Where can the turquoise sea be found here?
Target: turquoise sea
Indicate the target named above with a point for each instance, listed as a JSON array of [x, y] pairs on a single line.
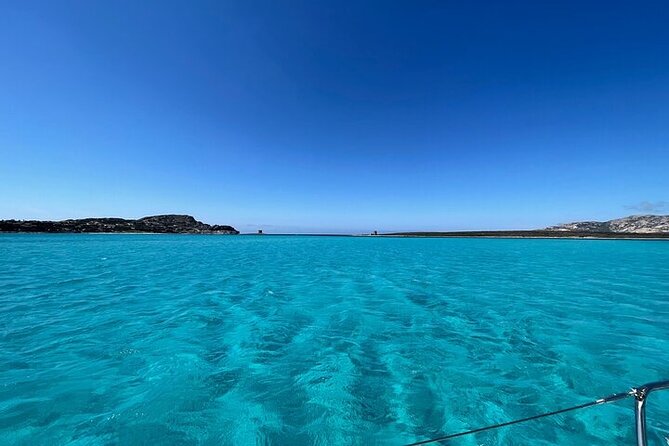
[[297, 340]]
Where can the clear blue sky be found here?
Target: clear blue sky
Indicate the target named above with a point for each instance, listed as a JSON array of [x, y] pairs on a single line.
[[335, 116]]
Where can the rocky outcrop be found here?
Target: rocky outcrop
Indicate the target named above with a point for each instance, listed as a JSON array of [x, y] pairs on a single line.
[[581, 226], [635, 224], [163, 224]]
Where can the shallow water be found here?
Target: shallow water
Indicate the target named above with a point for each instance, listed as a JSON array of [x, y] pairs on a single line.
[[245, 340]]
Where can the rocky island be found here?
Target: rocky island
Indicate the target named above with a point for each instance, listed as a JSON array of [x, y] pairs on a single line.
[[159, 224]]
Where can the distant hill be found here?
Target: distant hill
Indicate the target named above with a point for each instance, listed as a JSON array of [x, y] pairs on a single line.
[[164, 224], [637, 224]]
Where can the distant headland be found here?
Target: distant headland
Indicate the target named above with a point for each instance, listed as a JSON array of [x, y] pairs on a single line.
[[158, 224], [634, 226]]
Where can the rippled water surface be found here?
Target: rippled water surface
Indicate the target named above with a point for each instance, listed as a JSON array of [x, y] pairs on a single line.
[[246, 340]]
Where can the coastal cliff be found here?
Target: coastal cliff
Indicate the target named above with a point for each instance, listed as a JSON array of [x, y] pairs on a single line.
[[159, 224], [635, 224]]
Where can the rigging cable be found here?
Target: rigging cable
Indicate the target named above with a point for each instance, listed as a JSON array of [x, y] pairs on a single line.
[[605, 400]]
